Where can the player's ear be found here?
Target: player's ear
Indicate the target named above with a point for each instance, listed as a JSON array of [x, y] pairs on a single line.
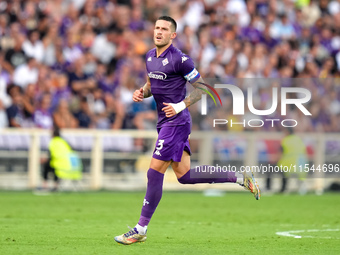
[[173, 35]]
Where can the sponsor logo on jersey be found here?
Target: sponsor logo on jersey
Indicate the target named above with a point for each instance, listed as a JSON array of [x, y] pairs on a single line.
[[157, 75], [149, 59], [184, 58], [193, 74], [165, 62]]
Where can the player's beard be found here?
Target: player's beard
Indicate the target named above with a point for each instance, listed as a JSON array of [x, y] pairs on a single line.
[[161, 43]]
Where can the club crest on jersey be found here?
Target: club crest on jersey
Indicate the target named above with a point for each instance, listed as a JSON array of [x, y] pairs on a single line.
[[184, 58], [157, 75], [165, 62], [149, 59]]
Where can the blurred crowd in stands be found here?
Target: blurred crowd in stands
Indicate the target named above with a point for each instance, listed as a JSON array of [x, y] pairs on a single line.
[[76, 63]]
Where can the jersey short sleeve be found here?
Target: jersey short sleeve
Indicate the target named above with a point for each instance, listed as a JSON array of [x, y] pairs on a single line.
[[186, 67]]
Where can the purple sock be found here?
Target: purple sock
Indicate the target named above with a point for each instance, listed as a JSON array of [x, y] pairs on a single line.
[[152, 197], [192, 177]]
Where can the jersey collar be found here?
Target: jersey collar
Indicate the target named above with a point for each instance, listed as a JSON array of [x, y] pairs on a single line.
[[165, 52]]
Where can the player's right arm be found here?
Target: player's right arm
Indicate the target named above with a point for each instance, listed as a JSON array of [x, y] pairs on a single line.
[[143, 92]]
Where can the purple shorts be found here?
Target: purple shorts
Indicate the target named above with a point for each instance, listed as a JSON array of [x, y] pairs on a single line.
[[171, 142]]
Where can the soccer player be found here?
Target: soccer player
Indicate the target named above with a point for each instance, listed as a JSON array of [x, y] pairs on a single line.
[[168, 72]]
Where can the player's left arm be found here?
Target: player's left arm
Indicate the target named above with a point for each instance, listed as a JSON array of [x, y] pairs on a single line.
[[185, 66], [196, 94], [171, 109]]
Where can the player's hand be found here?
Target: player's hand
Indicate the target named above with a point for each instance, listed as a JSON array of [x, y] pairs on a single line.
[[138, 95], [169, 110]]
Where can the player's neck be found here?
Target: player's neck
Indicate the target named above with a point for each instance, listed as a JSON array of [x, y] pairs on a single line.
[[160, 50]]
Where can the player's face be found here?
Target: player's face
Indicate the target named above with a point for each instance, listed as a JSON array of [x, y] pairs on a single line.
[[163, 34]]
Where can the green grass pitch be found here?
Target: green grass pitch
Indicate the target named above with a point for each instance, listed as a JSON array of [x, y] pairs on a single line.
[[184, 223]]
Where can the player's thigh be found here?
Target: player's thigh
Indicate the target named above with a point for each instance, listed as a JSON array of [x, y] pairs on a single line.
[[159, 165], [181, 168], [171, 142]]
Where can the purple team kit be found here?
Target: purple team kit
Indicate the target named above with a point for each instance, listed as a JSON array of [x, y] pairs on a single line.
[[169, 74]]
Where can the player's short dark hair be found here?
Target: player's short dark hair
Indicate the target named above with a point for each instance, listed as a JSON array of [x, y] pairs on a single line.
[[171, 20]]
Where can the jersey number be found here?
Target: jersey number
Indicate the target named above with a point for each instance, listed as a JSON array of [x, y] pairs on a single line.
[[160, 145]]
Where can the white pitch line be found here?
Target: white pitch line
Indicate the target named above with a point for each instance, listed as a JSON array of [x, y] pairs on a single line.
[[293, 233]]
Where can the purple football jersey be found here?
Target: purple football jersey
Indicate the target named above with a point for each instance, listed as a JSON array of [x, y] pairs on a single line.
[[169, 74]]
